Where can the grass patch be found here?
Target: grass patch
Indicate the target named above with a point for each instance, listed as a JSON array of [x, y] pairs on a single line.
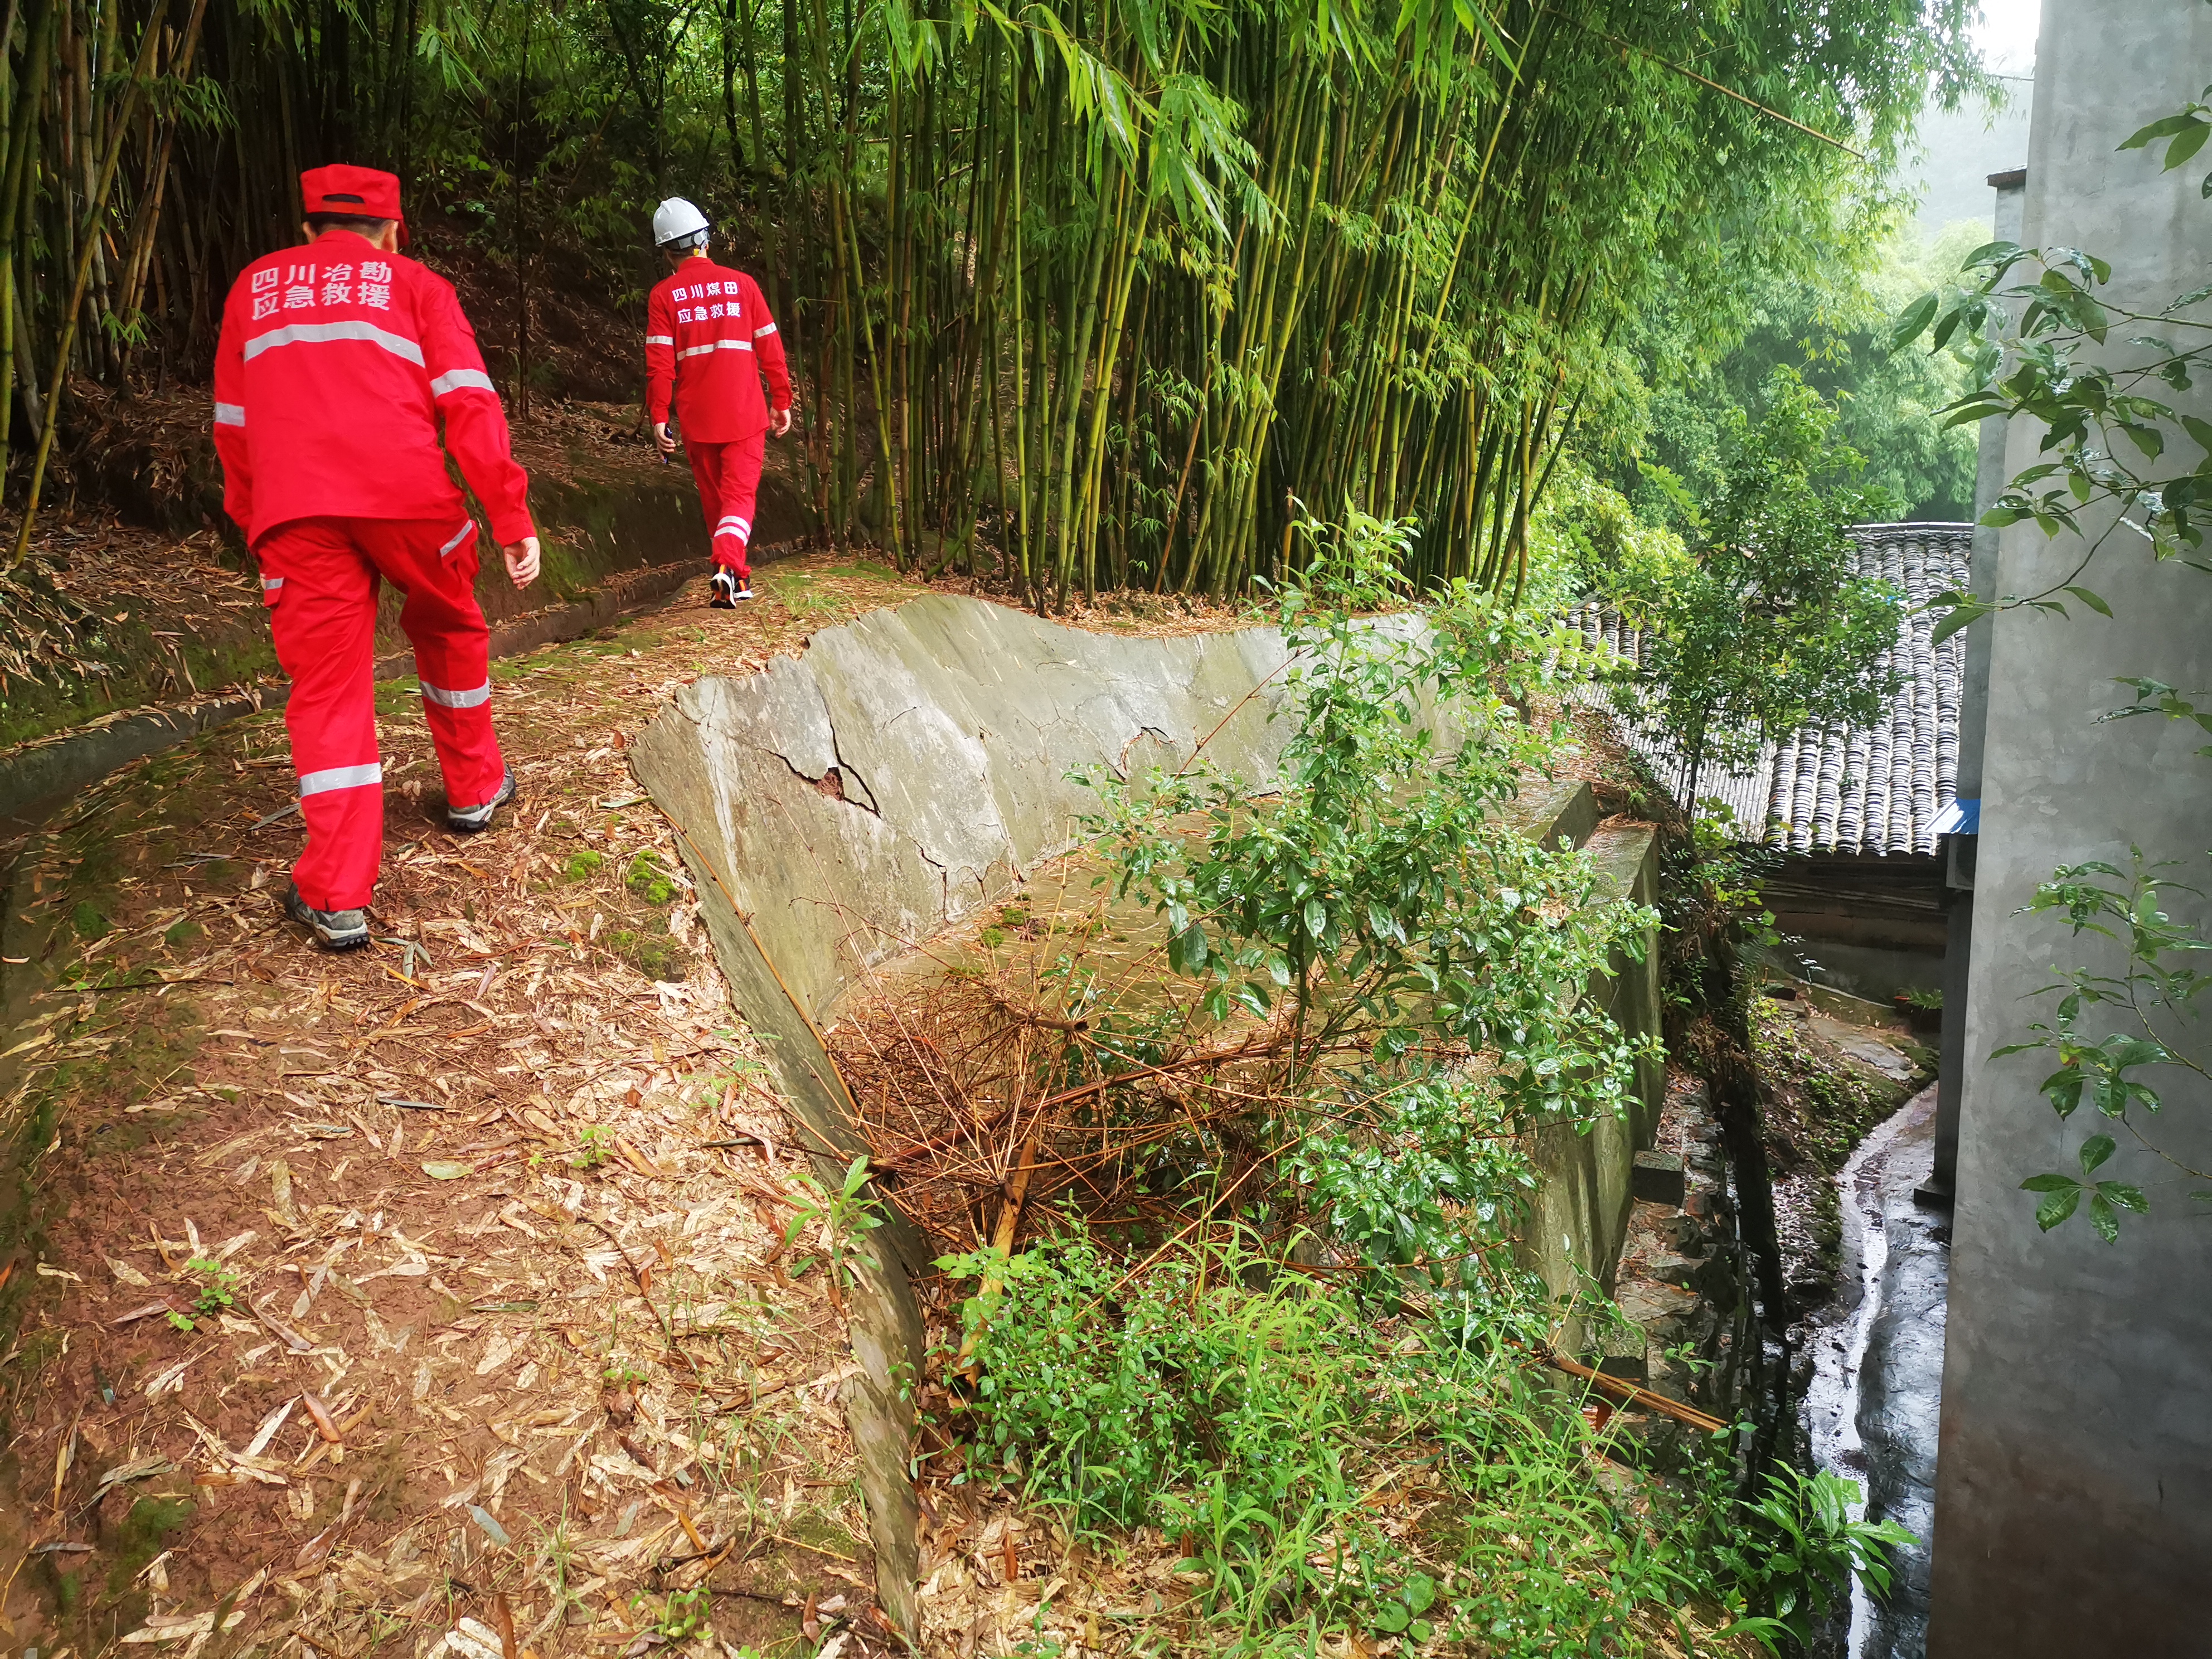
[[1323, 1467]]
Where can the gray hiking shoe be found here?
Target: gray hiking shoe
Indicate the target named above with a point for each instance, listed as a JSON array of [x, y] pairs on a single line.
[[468, 820], [334, 930]]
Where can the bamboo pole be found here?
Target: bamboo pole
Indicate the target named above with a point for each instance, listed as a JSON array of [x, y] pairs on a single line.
[[89, 243]]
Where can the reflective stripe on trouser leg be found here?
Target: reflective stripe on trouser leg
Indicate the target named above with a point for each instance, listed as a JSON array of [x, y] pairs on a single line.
[[732, 535], [325, 632], [453, 655], [737, 486]]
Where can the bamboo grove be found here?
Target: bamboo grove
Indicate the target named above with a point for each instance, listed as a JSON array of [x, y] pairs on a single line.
[[1084, 295]]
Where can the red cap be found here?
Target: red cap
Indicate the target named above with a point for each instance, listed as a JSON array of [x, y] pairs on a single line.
[[358, 193]]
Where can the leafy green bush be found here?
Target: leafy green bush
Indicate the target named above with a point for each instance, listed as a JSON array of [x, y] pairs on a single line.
[[1796, 1549]]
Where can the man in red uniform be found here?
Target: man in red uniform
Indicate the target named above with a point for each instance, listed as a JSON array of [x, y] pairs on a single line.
[[708, 338], [337, 363]]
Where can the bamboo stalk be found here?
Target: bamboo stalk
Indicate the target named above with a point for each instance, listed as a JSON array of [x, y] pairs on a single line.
[[89, 244]]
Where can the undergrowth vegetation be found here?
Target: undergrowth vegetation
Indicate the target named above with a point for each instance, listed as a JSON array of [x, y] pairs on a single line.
[[1278, 1317], [1320, 1467]]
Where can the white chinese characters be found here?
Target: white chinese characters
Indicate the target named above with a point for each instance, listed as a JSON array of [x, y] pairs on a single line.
[[308, 287]]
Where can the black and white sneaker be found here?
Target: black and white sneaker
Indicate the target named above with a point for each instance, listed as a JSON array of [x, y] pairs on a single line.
[[727, 589], [334, 930], [468, 820]]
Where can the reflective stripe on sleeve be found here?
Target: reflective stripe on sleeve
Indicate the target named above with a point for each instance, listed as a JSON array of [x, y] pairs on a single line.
[[660, 339], [322, 333], [468, 528], [339, 777], [446, 699], [765, 328], [230, 414], [270, 583], [454, 379], [716, 345]]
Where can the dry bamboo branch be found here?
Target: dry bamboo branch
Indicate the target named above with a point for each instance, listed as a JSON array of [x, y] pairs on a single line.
[[1633, 1393]]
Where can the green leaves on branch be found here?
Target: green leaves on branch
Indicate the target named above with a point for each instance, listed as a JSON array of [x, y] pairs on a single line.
[[2099, 1072], [1760, 620], [2184, 131], [2157, 698], [2107, 438], [2108, 429], [2160, 981], [2062, 1194]]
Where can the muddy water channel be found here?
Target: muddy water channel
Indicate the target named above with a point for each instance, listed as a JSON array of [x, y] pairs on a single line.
[[1878, 1365]]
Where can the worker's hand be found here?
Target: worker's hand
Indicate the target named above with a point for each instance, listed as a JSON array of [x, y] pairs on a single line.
[[521, 561], [781, 423], [660, 435]]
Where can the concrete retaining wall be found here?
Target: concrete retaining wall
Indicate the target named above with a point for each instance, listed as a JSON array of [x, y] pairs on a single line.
[[837, 808]]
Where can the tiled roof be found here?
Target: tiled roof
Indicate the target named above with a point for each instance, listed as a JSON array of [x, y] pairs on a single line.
[[1837, 789]]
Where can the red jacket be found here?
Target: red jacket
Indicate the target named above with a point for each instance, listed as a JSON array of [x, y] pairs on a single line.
[[335, 364], [707, 338]]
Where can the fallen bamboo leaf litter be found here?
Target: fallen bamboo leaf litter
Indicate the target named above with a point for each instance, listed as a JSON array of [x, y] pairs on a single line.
[[577, 1041]]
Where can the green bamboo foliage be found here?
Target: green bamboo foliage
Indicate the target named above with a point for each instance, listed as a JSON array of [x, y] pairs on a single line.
[[1188, 275], [1080, 293]]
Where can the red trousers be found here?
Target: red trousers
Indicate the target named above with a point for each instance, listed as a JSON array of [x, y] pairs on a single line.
[[319, 577], [729, 483]]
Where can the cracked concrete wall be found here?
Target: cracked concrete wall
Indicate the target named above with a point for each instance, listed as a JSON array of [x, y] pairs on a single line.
[[936, 742], [840, 807]]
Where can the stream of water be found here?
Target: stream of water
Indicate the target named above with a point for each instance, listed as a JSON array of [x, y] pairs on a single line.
[[1878, 1364]]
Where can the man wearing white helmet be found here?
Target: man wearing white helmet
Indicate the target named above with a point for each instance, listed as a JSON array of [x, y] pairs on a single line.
[[709, 339]]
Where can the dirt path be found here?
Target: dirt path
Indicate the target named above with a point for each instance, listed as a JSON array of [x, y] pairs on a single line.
[[354, 1299]]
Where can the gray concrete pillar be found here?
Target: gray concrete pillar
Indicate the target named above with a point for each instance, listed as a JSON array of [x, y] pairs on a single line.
[[1960, 845], [2074, 1486]]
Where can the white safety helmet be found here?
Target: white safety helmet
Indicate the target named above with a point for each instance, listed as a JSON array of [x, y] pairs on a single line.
[[676, 223]]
